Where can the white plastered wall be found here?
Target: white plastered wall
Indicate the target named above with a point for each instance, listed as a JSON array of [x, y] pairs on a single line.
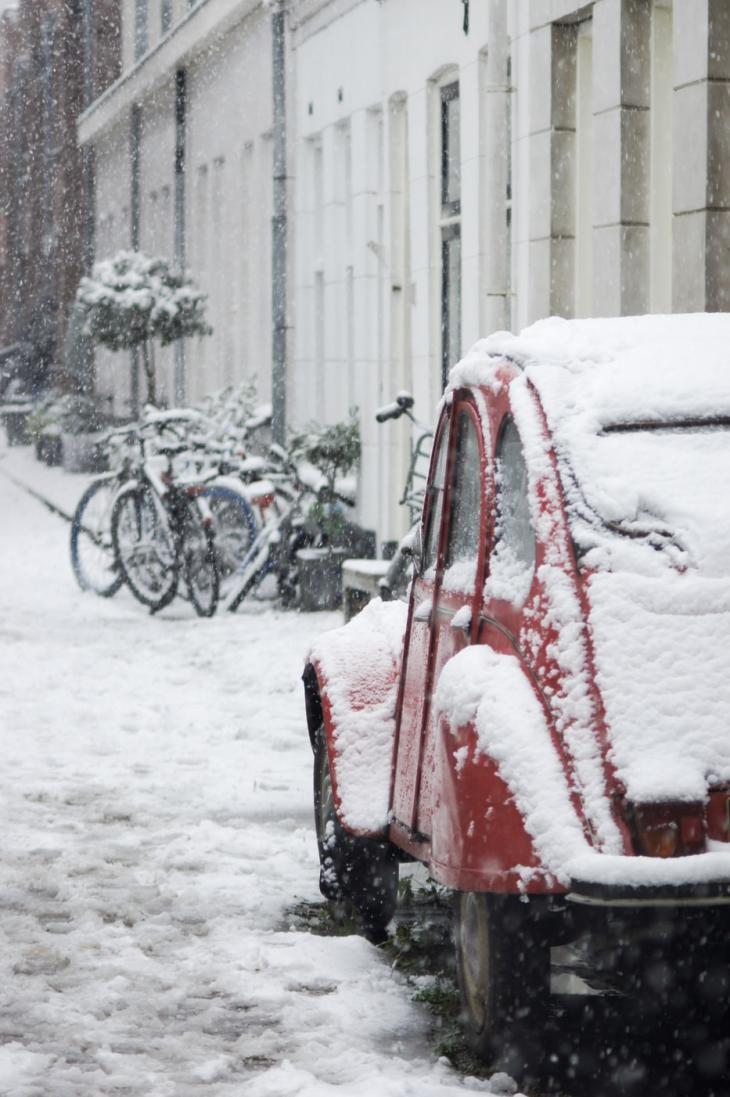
[[367, 76]]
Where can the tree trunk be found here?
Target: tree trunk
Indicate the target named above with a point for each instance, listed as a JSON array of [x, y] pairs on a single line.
[[149, 369]]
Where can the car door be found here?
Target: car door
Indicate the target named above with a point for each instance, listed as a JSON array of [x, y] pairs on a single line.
[[414, 678], [458, 590], [444, 606]]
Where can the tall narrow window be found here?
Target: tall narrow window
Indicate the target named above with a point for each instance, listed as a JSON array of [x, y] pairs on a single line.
[[450, 226], [400, 314], [140, 28], [165, 15]]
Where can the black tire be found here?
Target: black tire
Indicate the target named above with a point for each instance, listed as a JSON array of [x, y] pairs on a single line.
[[92, 550], [503, 966], [199, 563], [147, 550], [361, 873], [287, 565]]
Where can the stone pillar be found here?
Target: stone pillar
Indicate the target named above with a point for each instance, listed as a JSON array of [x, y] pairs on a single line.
[[495, 159], [621, 165], [551, 171], [701, 142]]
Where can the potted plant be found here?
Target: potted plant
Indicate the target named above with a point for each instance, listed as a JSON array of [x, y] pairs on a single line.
[[15, 411], [44, 426], [131, 300], [334, 451], [82, 433]]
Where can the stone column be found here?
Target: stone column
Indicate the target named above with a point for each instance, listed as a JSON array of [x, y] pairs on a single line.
[[621, 143], [494, 160], [701, 142], [551, 171]]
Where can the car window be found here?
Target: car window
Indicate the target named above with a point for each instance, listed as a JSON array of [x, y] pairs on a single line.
[[512, 561], [462, 548], [436, 492]]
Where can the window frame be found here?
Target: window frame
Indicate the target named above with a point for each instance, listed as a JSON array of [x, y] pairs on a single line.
[[508, 420], [449, 227], [466, 412]]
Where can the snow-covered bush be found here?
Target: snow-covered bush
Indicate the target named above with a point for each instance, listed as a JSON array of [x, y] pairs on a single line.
[[334, 450], [131, 299]]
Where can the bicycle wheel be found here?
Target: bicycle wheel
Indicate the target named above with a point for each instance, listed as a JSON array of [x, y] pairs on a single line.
[[145, 546], [235, 529], [199, 562], [92, 552]]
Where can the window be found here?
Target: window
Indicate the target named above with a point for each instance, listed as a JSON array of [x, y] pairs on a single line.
[[165, 16], [462, 549], [450, 228], [513, 557], [140, 28], [435, 508]]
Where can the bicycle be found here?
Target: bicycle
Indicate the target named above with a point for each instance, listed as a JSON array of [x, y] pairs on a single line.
[[286, 504], [161, 530], [394, 584], [93, 559]]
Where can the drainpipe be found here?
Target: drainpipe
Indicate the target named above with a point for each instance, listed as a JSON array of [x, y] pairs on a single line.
[[135, 138], [279, 228], [181, 101], [88, 185], [87, 156]]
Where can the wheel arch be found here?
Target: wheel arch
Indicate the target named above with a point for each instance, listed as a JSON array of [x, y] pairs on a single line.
[[312, 701]]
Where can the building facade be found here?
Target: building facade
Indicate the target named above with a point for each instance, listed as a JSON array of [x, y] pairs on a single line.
[[49, 59], [184, 169], [453, 168]]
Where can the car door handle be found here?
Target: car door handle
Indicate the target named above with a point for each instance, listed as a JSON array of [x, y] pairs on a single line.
[[423, 611], [461, 620]]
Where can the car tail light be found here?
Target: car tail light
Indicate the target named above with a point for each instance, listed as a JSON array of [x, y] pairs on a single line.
[[669, 830], [718, 815]]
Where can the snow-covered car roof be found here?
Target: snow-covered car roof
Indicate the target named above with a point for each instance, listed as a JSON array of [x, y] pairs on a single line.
[[597, 377], [637, 367]]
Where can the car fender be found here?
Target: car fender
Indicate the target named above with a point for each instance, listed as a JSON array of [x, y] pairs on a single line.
[[506, 819], [351, 686]]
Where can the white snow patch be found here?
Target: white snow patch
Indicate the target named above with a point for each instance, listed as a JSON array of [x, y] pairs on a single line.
[[360, 663], [490, 690]]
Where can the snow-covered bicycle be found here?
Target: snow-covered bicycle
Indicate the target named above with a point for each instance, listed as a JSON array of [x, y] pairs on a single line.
[[162, 529]]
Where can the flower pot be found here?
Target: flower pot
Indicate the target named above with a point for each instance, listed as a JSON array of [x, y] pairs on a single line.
[[49, 449], [320, 578], [15, 421], [83, 452]]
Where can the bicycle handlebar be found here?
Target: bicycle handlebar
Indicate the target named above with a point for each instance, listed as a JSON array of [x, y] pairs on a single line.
[[401, 406]]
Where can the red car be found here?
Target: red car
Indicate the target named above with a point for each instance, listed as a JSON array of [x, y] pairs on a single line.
[[546, 724]]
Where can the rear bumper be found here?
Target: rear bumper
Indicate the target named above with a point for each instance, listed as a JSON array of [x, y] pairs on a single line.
[[714, 893]]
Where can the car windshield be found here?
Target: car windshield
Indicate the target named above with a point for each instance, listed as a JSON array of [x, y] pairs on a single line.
[[643, 496]]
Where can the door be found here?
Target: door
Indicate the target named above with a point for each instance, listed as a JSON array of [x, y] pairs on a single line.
[[445, 607], [414, 679]]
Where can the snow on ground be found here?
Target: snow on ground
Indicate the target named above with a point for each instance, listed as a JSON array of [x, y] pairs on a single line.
[[156, 822]]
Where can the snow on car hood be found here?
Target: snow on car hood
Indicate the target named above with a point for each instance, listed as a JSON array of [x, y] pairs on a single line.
[[661, 655]]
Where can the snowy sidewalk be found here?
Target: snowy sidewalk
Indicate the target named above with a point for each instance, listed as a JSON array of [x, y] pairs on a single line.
[[155, 796]]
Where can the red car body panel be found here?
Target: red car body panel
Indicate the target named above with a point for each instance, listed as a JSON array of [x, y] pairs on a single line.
[[459, 816]]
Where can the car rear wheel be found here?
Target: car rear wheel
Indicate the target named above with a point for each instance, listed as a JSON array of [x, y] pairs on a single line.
[[361, 873], [502, 959]]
